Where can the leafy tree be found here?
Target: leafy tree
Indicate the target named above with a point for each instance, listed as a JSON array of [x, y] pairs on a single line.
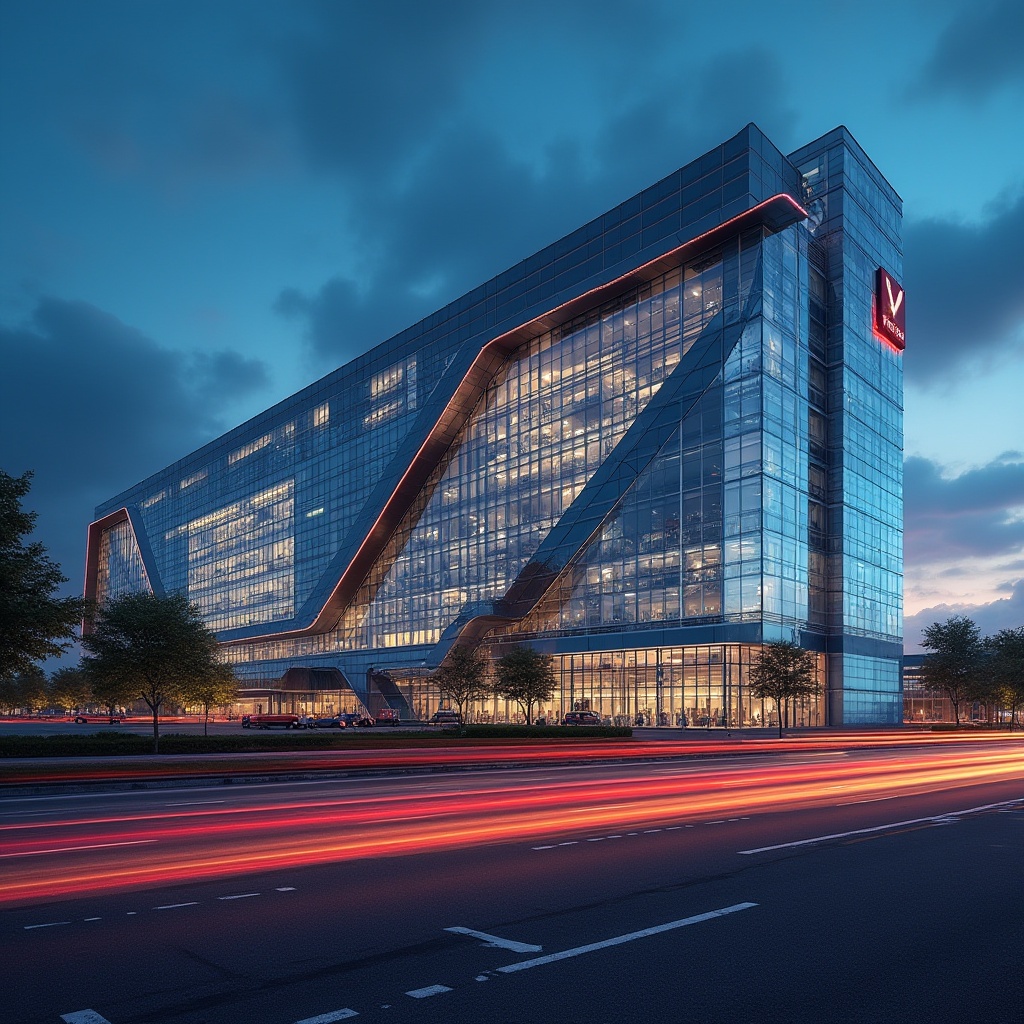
[[34, 624], [23, 691], [151, 648], [217, 686], [461, 678], [526, 677], [782, 672], [1006, 667], [954, 668], [31, 689], [69, 689]]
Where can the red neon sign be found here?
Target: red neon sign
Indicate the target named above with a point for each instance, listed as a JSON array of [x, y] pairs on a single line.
[[890, 310]]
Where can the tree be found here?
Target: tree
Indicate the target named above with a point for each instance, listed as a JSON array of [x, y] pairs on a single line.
[[461, 678], [1006, 665], [34, 624], [218, 686], [69, 689], [151, 648], [526, 677], [783, 672], [953, 669], [23, 691]]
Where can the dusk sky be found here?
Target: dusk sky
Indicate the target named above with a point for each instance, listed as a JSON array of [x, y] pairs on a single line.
[[205, 206]]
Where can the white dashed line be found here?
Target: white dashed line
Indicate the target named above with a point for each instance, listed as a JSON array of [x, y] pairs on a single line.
[[92, 918], [285, 888], [240, 896], [174, 906], [426, 993], [494, 942], [327, 1018], [49, 924]]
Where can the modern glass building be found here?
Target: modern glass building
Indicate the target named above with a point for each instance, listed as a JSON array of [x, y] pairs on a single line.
[[665, 439]]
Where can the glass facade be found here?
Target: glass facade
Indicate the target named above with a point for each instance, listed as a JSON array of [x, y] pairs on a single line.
[[658, 443]]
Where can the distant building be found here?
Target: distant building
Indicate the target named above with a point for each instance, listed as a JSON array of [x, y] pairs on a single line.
[[670, 436]]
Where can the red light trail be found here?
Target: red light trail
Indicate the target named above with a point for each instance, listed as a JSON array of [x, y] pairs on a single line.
[[70, 856]]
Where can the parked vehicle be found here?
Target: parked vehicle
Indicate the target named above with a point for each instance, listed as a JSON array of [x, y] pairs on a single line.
[[445, 716], [270, 721], [581, 718], [386, 716], [351, 718], [114, 719], [328, 722]]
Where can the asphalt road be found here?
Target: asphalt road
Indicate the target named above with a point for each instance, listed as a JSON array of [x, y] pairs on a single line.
[[867, 886]]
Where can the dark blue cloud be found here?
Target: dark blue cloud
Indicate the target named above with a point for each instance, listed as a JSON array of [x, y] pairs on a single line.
[[91, 405], [471, 205], [965, 293], [968, 516], [979, 52]]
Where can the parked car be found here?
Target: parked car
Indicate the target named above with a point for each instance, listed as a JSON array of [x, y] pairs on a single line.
[[86, 719], [445, 716], [351, 718], [386, 716], [270, 722], [581, 718], [328, 722]]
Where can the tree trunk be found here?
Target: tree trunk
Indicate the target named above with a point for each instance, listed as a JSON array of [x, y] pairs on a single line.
[[155, 708]]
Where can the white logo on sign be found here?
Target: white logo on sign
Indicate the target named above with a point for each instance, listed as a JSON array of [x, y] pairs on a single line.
[[894, 304]]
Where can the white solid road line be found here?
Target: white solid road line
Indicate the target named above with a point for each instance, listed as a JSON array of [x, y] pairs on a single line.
[[84, 1017], [934, 819], [618, 940], [494, 942], [327, 1018]]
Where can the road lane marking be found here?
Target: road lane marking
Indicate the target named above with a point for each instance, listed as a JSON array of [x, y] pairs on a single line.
[[174, 906], [83, 1017], [946, 818], [240, 896], [327, 1018], [618, 940], [426, 993], [495, 942], [74, 849], [92, 918], [195, 803], [49, 924], [285, 888]]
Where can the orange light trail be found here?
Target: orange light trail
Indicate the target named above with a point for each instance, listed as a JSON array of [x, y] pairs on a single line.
[[74, 856]]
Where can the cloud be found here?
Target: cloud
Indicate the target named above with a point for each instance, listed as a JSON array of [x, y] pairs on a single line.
[[965, 292], [1003, 613], [979, 514], [978, 53], [467, 203], [91, 405]]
